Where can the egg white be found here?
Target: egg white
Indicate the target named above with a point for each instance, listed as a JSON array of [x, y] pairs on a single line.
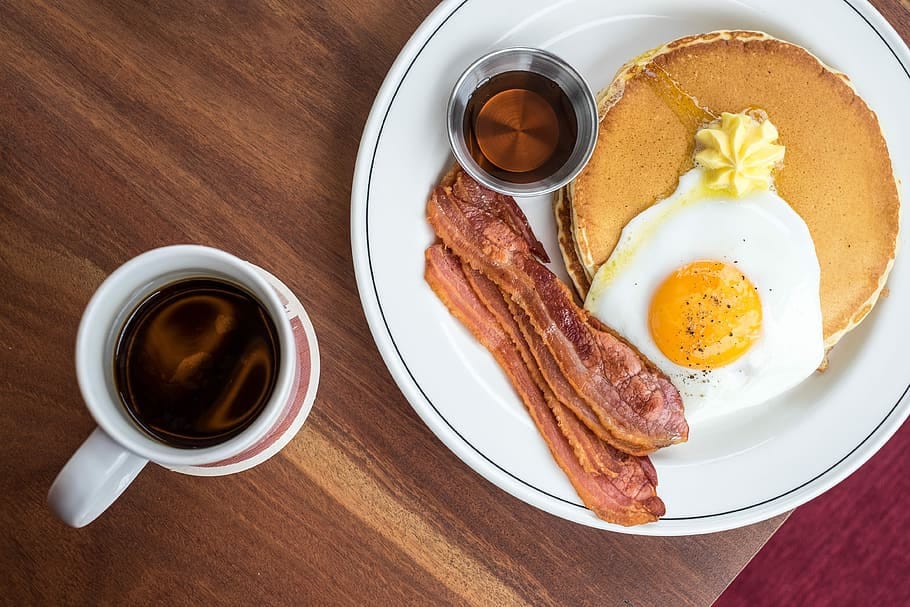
[[758, 233]]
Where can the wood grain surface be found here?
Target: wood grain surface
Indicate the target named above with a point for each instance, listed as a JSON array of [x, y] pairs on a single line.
[[125, 126]]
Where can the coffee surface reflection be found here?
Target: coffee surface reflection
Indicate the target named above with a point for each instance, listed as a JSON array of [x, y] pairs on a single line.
[[196, 362]]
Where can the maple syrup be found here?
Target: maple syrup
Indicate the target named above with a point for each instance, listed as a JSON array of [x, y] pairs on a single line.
[[520, 126], [686, 107]]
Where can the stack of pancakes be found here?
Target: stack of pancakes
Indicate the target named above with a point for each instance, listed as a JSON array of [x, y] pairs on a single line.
[[836, 174]]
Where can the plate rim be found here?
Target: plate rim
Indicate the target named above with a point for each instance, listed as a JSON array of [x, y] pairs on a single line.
[[449, 435]]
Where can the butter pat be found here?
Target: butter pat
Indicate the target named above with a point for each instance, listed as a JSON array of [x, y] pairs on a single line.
[[738, 154]]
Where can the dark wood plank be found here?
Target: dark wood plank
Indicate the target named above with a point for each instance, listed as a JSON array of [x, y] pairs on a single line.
[[125, 126]]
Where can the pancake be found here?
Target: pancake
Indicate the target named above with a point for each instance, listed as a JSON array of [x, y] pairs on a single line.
[[836, 174]]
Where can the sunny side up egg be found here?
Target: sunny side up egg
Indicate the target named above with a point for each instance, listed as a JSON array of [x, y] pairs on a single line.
[[721, 293]]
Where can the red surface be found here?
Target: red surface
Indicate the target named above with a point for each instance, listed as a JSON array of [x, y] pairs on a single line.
[[851, 546]]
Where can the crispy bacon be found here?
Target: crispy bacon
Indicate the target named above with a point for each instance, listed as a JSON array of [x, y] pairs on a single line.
[[560, 387], [637, 405], [590, 451], [595, 456], [625, 492], [502, 207]]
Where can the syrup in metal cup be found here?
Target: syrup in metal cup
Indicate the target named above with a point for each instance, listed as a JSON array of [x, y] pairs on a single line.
[[522, 121]]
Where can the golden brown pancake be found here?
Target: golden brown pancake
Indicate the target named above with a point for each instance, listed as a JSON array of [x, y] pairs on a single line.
[[837, 173]]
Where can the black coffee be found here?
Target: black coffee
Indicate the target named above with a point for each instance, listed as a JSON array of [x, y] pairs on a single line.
[[196, 362]]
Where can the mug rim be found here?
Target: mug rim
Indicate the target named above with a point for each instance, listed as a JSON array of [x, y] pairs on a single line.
[[96, 327]]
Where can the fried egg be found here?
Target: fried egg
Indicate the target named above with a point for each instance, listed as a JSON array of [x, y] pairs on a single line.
[[721, 293]]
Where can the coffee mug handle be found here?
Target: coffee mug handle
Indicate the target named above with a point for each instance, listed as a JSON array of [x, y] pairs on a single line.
[[92, 479]]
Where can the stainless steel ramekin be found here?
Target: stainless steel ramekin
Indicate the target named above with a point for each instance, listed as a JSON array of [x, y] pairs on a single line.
[[545, 64]]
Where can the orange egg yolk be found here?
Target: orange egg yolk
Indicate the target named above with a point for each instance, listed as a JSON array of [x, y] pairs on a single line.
[[705, 315]]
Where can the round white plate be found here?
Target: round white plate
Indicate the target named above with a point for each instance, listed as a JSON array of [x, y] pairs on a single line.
[[734, 471]]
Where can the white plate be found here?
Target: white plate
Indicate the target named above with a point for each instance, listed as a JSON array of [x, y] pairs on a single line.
[[731, 473]]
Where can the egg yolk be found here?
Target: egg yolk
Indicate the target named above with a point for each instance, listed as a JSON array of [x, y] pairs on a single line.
[[705, 315]]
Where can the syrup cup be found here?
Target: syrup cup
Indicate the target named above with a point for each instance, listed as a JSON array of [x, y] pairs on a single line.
[[542, 63]]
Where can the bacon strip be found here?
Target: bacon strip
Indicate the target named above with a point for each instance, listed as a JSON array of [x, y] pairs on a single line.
[[634, 402], [560, 387], [629, 497], [591, 452], [502, 207], [637, 474]]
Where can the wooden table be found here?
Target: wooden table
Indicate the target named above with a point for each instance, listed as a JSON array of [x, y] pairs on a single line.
[[125, 127]]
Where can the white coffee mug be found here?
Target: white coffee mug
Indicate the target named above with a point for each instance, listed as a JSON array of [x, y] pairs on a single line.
[[118, 449]]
